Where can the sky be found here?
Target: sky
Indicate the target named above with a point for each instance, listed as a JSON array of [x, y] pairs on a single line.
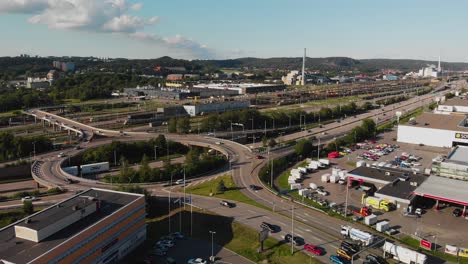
[[220, 29]]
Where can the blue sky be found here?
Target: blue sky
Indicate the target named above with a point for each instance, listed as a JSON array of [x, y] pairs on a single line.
[[229, 29]]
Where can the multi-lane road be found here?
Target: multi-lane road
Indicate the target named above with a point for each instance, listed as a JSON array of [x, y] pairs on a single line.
[[315, 227]]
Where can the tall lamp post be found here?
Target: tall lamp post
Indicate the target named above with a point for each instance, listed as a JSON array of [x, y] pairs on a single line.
[[212, 245]]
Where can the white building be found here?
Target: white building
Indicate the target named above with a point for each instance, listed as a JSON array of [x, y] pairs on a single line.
[[435, 130], [216, 107], [429, 72], [292, 78], [452, 106]]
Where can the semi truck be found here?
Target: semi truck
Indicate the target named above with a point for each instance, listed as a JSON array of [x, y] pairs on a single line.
[[357, 235], [380, 204], [403, 254], [94, 168]]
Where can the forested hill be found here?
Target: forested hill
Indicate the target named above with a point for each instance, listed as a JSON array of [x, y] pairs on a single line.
[[10, 67]]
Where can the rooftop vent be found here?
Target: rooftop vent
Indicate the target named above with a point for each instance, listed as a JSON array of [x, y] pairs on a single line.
[[27, 220], [76, 208]]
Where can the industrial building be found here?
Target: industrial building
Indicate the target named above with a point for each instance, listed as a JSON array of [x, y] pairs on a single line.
[[455, 166], [95, 226], [435, 130], [241, 88], [396, 185], [452, 106], [160, 92], [215, 107]]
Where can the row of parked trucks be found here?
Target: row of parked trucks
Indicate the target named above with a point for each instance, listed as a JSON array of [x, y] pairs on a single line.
[[398, 253]]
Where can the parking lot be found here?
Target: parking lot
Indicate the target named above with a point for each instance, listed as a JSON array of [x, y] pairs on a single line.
[[187, 249], [432, 224]]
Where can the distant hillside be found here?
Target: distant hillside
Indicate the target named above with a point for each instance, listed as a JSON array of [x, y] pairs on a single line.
[[331, 63]]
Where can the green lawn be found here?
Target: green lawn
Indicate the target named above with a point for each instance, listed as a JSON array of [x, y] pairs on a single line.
[[233, 192]]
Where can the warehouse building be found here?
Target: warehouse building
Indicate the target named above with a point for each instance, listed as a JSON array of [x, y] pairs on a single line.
[[242, 88], [215, 107], [435, 130], [95, 226], [151, 92], [453, 106], [396, 185]]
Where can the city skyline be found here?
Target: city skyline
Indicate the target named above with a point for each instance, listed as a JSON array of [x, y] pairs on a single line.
[[188, 30]]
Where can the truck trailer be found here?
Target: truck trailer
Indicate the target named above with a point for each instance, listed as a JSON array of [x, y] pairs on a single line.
[[403, 254], [357, 235]]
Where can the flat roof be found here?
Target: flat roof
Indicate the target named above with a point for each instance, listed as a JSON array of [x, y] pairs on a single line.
[[459, 154], [439, 121], [18, 250], [390, 177], [444, 189], [456, 102]]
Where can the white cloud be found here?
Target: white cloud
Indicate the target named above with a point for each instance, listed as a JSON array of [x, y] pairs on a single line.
[[22, 6], [136, 7], [102, 16]]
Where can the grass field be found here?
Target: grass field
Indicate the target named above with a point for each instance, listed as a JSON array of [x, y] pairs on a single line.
[[232, 193]]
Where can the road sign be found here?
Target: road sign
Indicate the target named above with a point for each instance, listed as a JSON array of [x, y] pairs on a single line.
[[263, 235], [425, 244]]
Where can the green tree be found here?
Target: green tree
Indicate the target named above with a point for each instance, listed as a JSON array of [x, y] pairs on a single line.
[[221, 187], [303, 147], [28, 207], [126, 173], [272, 143], [172, 126], [183, 125], [144, 172]]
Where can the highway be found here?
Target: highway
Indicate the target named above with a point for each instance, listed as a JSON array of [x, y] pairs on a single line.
[[312, 225]]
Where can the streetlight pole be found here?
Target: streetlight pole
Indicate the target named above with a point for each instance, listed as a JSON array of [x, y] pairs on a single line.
[[191, 215], [155, 154], [212, 245], [170, 204], [318, 148], [34, 149], [292, 229], [253, 132]]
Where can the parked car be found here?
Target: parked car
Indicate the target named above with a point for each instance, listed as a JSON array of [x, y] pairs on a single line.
[[345, 254], [322, 192], [167, 243], [375, 259], [457, 212], [197, 261], [158, 252], [178, 235], [260, 157], [227, 204], [28, 198], [350, 247], [314, 249], [180, 181]]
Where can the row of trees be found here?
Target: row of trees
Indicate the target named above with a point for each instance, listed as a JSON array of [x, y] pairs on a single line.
[[253, 119], [196, 163], [12, 147], [133, 151], [12, 99]]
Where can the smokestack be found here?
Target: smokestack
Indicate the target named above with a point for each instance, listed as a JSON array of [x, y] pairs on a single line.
[[303, 67], [438, 66]]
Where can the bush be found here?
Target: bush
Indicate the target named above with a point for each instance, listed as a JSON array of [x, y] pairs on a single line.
[[28, 207]]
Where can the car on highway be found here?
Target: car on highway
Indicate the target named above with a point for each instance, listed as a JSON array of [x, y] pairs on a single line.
[[349, 247], [373, 259], [297, 241], [457, 212], [180, 181], [197, 261], [60, 155], [267, 226], [254, 187], [260, 157], [227, 204], [314, 249], [345, 254], [28, 198], [77, 147], [338, 260]]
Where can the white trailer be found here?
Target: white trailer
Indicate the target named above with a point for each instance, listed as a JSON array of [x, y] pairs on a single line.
[[296, 186], [313, 166], [313, 186], [303, 170], [357, 235], [382, 226], [94, 168], [305, 191], [326, 177], [324, 162], [360, 163], [334, 178], [370, 219], [403, 254]]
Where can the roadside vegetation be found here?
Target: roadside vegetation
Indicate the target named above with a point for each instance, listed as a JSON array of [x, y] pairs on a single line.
[[224, 188], [12, 147]]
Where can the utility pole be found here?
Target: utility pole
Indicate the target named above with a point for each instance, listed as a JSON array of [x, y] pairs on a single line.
[[191, 215], [155, 154], [170, 204], [115, 158], [292, 228], [180, 214], [212, 245], [185, 184]]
